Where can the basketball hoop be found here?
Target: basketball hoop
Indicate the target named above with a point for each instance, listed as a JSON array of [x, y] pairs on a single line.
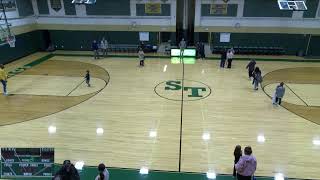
[[11, 41]]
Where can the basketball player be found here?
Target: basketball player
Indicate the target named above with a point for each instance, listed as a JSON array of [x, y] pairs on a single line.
[[3, 79], [87, 77], [141, 57]]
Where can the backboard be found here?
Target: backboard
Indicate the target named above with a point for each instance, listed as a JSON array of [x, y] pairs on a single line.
[[292, 5]]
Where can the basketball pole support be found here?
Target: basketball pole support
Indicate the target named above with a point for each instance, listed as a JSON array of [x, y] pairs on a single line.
[[308, 45], [5, 17]]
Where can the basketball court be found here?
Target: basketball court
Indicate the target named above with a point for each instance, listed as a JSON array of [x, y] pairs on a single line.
[[175, 114], [144, 122]]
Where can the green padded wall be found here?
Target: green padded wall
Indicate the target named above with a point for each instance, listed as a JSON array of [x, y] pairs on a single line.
[[24, 7], [26, 44], [264, 8], [314, 46], [43, 7], [201, 37], [73, 40], [69, 8], [312, 9], [231, 12], [292, 43], [110, 7], [165, 10]]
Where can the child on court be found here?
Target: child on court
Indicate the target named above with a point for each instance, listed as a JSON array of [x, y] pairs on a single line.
[[278, 95], [257, 78], [87, 78], [141, 57], [251, 66], [3, 79]]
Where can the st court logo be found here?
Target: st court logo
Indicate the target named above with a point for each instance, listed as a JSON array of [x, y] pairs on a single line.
[[190, 89]]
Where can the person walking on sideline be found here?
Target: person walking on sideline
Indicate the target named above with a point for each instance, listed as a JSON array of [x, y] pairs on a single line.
[[104, 47], [257, 78], [280, 91], [247, 165], [230, 55], [103, 173], [141, 57], [223, 58], [95, 49], [237, 154], [3, 79], [87, 77], [182, 46], [202, 51], [251, 66]]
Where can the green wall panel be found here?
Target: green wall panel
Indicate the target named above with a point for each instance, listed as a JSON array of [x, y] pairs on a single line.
[[165, 10], [314, 46], [201, 37], [231, 12], [264, 8], [110, 7], [312, 9], [69, 8], [81, 40], [43, 7], [26, 44], [24, 7], [292, 43]]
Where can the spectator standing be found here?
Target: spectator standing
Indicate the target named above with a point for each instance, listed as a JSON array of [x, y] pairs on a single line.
[[257, 78], [67, 172], [280, 91], [230, 55], [247, 165], [104, 47], [237, 154], [223, 58], [142, 45], [251, 66], [3, 79], [182, 46], [198, 49], [95, 49], [202, 51], [103, 172]]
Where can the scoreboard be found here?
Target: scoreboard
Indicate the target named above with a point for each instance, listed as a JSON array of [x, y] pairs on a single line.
[[27, 162], [186, 52]]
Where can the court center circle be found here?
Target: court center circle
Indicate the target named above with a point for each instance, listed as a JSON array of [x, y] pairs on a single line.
[[175, 89]]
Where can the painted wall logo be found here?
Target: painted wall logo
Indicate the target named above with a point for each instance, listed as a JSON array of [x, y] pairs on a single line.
[[192, 90]]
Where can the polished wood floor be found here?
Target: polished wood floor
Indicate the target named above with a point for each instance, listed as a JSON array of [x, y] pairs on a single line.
[[128, 109]]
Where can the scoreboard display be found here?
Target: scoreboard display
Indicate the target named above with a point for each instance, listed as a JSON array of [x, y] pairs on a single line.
[[27, 162], [186, 52]]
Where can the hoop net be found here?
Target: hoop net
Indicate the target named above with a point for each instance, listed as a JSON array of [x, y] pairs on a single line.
[[11, 40]]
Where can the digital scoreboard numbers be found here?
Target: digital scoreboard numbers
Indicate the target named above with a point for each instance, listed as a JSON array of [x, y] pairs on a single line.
[[27, 162]]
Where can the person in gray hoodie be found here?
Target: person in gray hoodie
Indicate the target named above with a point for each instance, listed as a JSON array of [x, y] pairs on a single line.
[[247, 165], [182, 46], [280, 91]]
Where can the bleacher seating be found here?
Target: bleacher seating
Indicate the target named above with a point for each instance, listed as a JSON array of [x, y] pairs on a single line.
[[130, 48], [258, 50]]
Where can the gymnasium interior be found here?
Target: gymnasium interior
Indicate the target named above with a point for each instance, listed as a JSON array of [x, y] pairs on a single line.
[[178, 117]]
